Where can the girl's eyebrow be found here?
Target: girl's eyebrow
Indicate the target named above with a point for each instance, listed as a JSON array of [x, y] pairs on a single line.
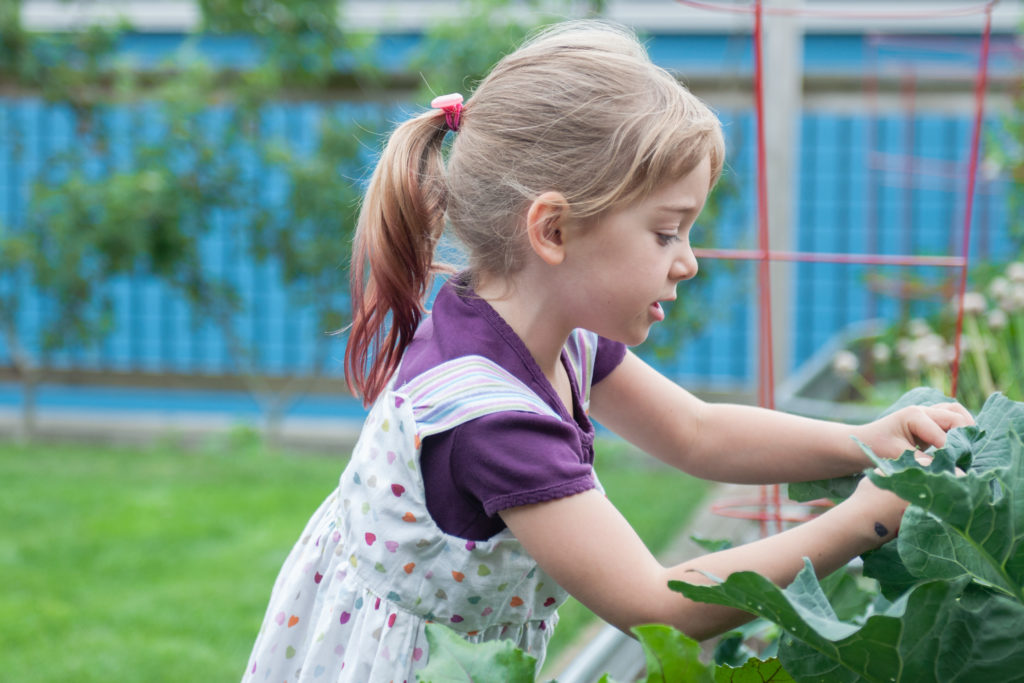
[[676, 208]]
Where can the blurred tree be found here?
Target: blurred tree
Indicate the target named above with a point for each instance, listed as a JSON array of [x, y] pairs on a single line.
[[89, 220], [62, 260]]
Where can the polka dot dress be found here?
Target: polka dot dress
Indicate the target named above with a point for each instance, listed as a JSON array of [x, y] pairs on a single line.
[[371, 569]]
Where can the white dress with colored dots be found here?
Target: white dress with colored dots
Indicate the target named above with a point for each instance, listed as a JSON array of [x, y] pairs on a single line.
[[372, 568]]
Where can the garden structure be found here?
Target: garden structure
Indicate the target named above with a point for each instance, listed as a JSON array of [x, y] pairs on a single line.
[[159, 334], [963, 176]]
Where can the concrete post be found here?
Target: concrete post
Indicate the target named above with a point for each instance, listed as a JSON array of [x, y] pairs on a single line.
[[783, 90]]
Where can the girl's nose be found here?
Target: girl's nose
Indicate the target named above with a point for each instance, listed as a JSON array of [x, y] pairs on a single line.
[[685, 265]]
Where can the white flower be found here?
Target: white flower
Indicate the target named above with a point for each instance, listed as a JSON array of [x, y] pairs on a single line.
[[974, 303], [997, 319], [1015, 271], [918, 327], [881, 352], [951, 354], [912, 363], [845, 363], [904, 346], [1015, 301], [934, 355], [999, 288]]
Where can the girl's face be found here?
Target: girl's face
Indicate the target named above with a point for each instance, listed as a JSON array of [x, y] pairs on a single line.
[[632, 258]]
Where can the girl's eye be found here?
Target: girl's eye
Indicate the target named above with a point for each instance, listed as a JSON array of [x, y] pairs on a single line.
[[665, 238]]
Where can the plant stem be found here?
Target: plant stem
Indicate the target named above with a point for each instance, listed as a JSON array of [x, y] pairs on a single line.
[[978, 344]]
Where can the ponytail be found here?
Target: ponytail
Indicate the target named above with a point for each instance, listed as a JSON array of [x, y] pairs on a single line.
[[400, 222]]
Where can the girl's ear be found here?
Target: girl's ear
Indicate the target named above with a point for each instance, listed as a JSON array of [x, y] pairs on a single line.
[[546, 221]]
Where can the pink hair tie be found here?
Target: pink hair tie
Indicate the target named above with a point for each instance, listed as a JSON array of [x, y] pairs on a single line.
[[452, 106]]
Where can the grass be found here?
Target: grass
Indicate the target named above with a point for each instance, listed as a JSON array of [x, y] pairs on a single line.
[[156, 564]]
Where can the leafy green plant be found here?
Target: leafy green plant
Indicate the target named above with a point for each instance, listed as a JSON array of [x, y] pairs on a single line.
[[918, 351], [669, 655], [954, 576]]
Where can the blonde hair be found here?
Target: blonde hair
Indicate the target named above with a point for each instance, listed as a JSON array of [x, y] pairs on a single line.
[[578, 109]]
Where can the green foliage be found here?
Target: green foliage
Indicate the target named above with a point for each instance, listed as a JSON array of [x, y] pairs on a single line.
[[841, 488], [91, 218], [671, 657], [955, 574], [912, 640], [753, 671], [969, 526], [455, 660], [457, 53]]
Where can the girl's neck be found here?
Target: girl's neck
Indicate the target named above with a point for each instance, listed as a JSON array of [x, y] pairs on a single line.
[[533, 316]]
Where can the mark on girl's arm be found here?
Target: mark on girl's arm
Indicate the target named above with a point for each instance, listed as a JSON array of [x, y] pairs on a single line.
[[881, 530]]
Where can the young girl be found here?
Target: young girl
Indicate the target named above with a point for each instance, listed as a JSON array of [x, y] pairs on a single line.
[[576, 172]]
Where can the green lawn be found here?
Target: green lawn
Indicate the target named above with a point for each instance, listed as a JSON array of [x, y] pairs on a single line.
[[156, 564]]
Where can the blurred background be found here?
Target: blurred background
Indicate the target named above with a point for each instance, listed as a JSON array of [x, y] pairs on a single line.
[[178, 188], [179, 180]]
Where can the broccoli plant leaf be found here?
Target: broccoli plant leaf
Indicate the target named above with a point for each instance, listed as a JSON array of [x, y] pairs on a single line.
[[848, 599], [840, 488], [837, 488], [671, 656], [846, 650], [989, 442], [885, 566], [456, 660], [974, 524], [939, 631], [754, 671], [943, 631]]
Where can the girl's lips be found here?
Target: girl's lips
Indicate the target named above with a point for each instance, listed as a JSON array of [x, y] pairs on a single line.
[[657, 312]]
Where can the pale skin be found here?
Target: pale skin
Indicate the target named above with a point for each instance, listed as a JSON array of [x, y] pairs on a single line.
[[607, 275]]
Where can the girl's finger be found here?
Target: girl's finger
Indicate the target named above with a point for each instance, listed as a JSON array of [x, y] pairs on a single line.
[[926, 429], [950, 415]]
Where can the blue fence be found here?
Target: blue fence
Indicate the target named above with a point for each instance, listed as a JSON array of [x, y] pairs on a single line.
[[856, 193]]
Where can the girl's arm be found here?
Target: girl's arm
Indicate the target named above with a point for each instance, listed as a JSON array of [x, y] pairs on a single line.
[[586, 545], [749, 445]]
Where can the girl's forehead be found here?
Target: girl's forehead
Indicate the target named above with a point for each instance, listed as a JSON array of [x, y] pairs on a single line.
[[684, 193]]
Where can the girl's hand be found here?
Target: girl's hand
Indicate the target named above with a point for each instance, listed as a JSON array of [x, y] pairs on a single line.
[[915, 428]]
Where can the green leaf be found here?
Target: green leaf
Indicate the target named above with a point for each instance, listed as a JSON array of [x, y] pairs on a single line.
[[758, 639], [885, 566], [940, 631], [847, 597], [841, 488], [754, 671], [974, 524], [837, 488], [989, 443], [712, 545], [456, 660], [671, 656]]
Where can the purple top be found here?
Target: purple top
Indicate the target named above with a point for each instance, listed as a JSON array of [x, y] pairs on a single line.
[[504, 459]]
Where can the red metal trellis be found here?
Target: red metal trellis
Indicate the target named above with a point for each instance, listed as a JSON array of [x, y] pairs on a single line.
[[769, 507]]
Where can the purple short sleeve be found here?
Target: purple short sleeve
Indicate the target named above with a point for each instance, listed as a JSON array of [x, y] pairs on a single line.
[[512, 459], [500, 461], [608, 357]]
